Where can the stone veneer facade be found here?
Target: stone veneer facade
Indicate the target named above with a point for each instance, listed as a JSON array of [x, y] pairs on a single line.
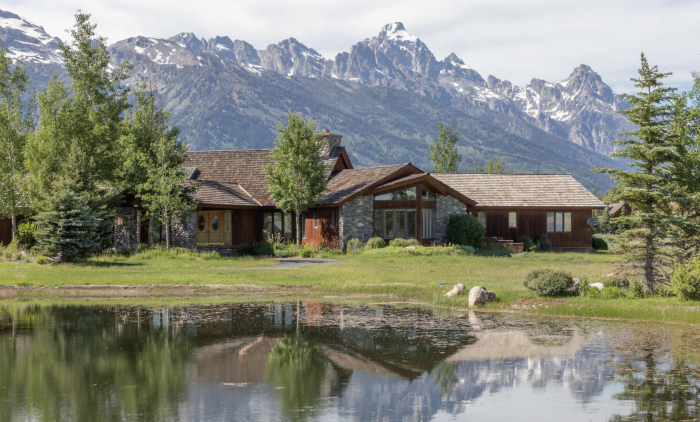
[[356, 219], [446, 206], [184, 231], [125, 234]]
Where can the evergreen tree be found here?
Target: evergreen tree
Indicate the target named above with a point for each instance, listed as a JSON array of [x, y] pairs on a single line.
[[67, 227], [16, 123], [297, 179], [496, 165], [645, 186], [155, 166], [443, 150]]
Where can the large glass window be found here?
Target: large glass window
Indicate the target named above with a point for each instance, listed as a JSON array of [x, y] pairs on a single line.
[[427, 195], [558, 222], [408, 194], [303, 225], [278, 223], [334, 218], [512, 220], [428, 223], [390, 223], [481, 215], [315, 219]]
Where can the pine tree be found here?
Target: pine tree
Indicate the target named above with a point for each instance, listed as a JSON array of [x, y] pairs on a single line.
[[16, 123], [297, 179], [68, 228], [443, 150], [646, 185]]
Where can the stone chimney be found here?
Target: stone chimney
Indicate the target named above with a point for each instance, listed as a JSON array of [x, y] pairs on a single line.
[[328, 142]]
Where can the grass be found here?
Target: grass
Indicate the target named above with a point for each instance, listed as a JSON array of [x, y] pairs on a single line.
[[418, 278]]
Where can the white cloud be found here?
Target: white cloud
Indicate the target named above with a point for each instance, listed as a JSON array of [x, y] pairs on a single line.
[[514, 40]]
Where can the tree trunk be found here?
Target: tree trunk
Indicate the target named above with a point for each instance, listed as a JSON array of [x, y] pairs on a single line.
[[298, 215], [138, 230], [167, 236], [649, 261], [150, 231], [14, 221]]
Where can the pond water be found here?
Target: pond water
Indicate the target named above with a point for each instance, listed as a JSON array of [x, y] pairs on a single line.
[[328, 362]]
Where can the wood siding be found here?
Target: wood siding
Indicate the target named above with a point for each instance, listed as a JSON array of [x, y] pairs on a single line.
[[325, 233], [5, 231], [533, 224]]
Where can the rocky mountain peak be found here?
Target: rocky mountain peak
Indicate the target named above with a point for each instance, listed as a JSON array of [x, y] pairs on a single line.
[[396, 32], [189, 41], [24, 40]]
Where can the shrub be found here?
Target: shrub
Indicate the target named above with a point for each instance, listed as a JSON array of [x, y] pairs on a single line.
[[211, 255], [468, 249], [68, 227], [685, 280], [19, 256], [599, 244], [544, 244], [465, 229], [355, 246], [403, 243], [549, 282], [306, 252], [527, 242], [25, 234], [636, 290], [263, 248], [42, 260], [375, 243]]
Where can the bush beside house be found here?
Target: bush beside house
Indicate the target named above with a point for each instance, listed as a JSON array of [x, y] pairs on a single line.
[[465, 230]]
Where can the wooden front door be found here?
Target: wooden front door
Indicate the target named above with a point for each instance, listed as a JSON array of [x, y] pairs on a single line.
[[216, 229], [210, 228]]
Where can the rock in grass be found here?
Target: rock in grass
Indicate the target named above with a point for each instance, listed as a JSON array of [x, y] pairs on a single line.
[[599, 286], [478, 295], [456, 290]]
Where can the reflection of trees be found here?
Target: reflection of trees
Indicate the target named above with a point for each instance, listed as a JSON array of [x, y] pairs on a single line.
[[80, 364], [661, 386], [445, 375], [299, 367]]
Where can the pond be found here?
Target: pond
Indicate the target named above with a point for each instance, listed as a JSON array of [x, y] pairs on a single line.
[[328, 362]]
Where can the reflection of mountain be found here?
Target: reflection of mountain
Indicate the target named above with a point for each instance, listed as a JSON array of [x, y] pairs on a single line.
[[307, 361]]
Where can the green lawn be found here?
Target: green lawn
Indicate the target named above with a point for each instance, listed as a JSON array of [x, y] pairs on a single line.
[[398, 278]]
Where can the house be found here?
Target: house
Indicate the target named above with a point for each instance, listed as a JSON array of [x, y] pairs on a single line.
[[393, 201], [515, 205], [617, 209]]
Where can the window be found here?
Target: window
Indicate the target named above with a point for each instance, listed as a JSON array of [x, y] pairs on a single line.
[[334, 218], [512, 219], [399, 195], [215, 223], [315, 219], [389, 223], [427, 195], [278, 223], [558, 222], [481, 215], [227, 222], [201, 223], [428, 223]]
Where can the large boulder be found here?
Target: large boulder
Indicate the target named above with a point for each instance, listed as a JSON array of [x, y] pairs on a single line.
[[478, 295], [456, 290]]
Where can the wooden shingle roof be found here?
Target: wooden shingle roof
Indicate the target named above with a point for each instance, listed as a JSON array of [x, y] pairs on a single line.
[[521, 190], [347, 183], [218, 193]]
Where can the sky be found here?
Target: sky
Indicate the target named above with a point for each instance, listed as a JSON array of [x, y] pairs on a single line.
[[510, 39]]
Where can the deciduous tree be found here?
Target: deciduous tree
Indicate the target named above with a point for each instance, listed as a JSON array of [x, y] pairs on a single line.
[[297, 179], [443, 150]]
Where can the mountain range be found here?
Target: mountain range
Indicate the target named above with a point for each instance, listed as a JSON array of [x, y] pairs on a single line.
[[385, 95]]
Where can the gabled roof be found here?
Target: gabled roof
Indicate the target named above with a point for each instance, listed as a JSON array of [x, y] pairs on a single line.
[[521, 190], [346, 184], [218, 193], [617, 207], [242, 167], [425, 178]]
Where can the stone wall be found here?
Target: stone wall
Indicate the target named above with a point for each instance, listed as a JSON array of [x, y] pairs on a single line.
[[125, 233], [184, 231], [356, 219], [446, 206]]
